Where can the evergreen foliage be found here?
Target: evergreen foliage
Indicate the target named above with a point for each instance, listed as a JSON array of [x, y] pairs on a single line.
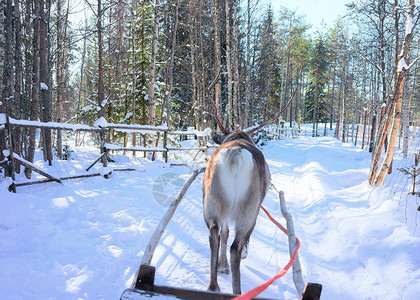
[[317, 77]]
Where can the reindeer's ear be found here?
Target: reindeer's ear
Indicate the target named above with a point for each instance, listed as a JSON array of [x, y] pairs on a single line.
[[218, 138]]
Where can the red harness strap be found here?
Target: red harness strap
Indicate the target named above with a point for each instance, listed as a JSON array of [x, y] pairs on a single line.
[[259, 289]]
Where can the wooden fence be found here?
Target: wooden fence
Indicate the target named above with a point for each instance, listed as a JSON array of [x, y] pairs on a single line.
[[7, 124]]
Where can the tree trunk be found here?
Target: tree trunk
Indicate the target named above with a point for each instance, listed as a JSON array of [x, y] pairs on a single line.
[[332, 99], [314, 120], [407, 116], [151, 93], [8, 94], [229, 68], [101, 104], [18, 81], [364, 128], [194, 94], [35, 85], [59, 74], [397, 96], [247, 67], [217, 91], [327, 102], [44, 83], [82, 68], [287, 75], [236, 103], [171, 66], [382, 16], [134, 70]]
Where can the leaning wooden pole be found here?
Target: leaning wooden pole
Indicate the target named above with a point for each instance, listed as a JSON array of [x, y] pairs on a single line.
[[297, 269], [154, 240]]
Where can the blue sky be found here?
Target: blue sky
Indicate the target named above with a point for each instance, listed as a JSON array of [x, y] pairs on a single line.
[[315, 10]]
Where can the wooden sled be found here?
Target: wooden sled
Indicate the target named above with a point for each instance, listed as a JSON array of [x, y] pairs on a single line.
[[144, 285]]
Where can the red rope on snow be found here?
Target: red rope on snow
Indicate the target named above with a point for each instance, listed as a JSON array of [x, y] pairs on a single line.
[[259, 289]]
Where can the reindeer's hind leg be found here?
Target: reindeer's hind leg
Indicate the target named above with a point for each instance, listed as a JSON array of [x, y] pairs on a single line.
[[214, 239], [223, 266], [242, 236]]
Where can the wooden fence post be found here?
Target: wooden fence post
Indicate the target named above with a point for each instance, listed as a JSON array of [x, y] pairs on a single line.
[[165, 142], [102, 135], [10, 167]]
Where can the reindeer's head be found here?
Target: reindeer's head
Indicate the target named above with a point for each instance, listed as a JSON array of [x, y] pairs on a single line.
[[231, 136]]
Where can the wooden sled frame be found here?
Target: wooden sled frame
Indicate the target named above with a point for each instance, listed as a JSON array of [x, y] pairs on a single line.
[[145, 287]]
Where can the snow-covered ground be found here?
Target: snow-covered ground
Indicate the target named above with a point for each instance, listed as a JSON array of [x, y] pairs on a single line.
[[84, 239]]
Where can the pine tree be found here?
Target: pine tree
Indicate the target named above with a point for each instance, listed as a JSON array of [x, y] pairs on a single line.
[[268, 68], [315, 95]]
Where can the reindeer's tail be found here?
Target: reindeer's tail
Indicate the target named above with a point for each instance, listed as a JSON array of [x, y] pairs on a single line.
[[239, 160]]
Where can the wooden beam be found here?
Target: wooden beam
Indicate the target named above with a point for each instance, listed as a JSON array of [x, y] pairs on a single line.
[[51, 125], [67, 178], [136, 128], [98, 159], [145, 277], [145, 282], [34, 168], [159, 292], [145, 149], [312, 291], [186, 148]]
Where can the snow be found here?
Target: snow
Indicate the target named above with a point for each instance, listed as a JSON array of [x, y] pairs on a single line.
[[87, 108], [100, 123], [409, 25], [44, 86], [402, 65], [128, 115], [66, 126], [84, 239]]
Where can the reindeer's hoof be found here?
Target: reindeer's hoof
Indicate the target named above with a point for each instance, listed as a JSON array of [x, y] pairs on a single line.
[[223, 268], [214, 287]]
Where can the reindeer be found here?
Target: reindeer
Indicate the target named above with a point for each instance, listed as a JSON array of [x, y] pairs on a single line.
[[235, 183]]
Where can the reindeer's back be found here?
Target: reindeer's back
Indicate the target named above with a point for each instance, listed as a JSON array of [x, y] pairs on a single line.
[[236, 181]]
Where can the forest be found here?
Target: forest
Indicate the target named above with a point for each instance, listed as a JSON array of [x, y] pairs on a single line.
[[110, 113], [151, 62]]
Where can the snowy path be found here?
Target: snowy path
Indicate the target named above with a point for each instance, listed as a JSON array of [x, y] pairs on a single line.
[[354, 240], [84, 239]]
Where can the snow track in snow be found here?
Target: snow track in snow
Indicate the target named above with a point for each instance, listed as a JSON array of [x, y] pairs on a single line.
[[84, 239]]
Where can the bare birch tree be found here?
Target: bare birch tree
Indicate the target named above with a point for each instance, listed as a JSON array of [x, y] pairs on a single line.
[[402, 68]]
